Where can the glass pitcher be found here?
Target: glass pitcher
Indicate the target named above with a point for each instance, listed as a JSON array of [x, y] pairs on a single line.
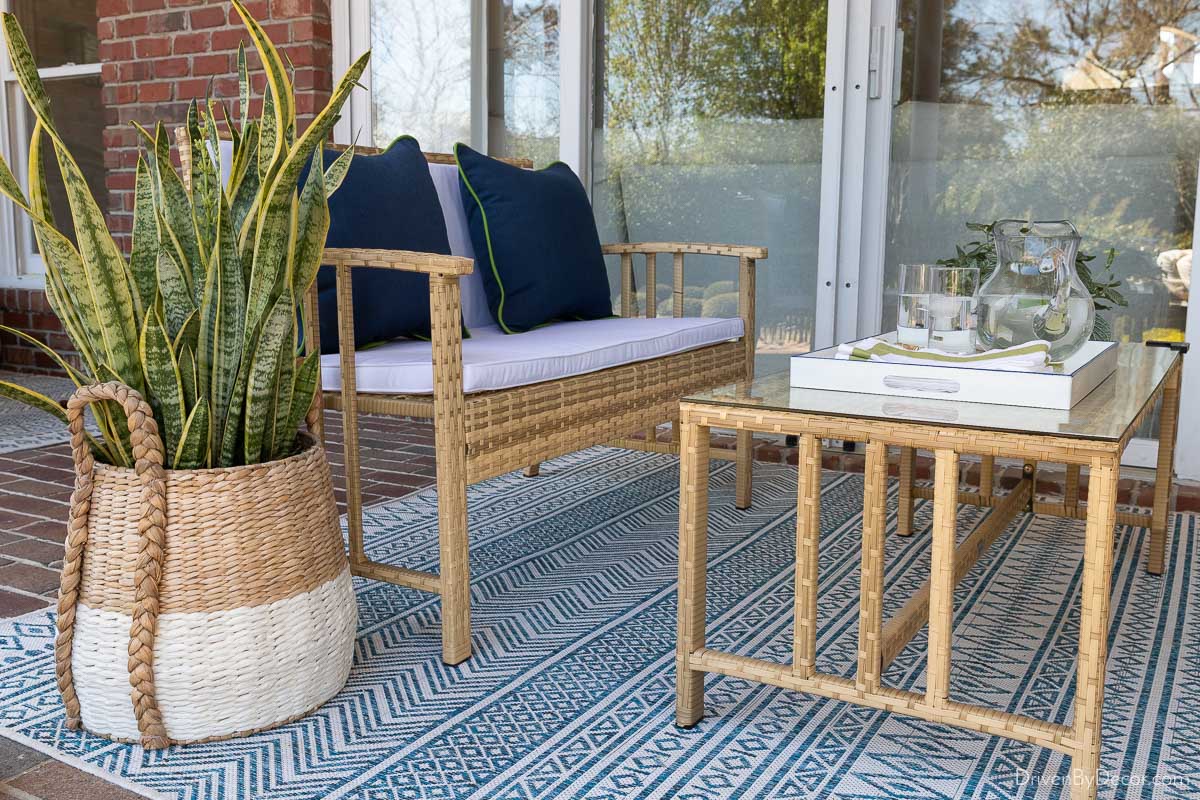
[[1034, 292]]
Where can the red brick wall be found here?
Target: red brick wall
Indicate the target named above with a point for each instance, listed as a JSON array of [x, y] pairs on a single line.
[[157, 56], [27, 310]]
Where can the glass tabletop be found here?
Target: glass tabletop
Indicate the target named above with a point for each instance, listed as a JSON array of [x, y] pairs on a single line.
[[1105, 414]]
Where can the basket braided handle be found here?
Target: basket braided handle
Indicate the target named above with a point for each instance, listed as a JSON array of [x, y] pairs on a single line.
[[148, 464]]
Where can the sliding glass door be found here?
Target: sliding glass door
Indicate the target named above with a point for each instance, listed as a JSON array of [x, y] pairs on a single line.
[[707, 126], [1048, 109]]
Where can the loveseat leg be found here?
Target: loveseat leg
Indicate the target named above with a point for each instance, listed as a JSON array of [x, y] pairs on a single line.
[[455, 571], [745, 471], [533, 470], [450, 441]]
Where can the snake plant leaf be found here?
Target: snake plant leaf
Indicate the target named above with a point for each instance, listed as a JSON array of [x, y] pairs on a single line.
[[179, 217], [177, 296], [24, 66], [304, 388], [106, 272], [312, 225], [205, 179], [112, 421], [244, 187], [27, 396], [277, 438], [220, 350], [189, 333], [163, 380], [272, 236], [188, 377], [193, 449], [262, 390], [283, 101], [143, 253], [104, 268], [268, 138], [243, 86], [337, 171], [39, 192], [65, 276], [10, 186]]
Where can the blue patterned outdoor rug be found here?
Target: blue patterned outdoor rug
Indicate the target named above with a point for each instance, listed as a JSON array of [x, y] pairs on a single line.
[[571, 691]]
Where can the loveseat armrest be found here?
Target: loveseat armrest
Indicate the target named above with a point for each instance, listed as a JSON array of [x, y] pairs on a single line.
[[445, 316], [406, 260], [750, 251], [747, 256]]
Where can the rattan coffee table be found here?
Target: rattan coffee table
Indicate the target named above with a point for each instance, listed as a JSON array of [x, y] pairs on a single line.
[[1093, 434]]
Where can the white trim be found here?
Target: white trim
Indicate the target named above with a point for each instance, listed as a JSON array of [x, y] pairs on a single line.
[[877, 173], [576, 23], [65, 71], [836, 46], [1187, 448], [479, 75], [853, 170]]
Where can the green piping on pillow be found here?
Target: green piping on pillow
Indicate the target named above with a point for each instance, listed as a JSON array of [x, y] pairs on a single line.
[[487, 235]]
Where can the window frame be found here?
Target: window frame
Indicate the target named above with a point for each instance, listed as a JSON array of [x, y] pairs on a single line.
[[21, 265], [351, 22]]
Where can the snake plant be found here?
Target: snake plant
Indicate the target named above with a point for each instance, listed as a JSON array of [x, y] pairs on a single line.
[[204, 317]]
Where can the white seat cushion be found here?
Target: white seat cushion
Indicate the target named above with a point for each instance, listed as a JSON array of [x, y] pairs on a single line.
[[494, 360]]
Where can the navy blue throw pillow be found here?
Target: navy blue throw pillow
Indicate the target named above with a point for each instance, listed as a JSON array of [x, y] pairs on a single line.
[[535, 242], [387, 201]]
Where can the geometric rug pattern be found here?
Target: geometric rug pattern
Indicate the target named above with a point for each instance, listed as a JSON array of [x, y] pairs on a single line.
[[570, 692]]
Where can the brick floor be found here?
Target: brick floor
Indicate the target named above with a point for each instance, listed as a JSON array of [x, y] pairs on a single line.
[[398, 457]]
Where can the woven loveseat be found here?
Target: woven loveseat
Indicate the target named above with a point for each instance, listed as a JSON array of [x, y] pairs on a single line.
[[505, 402]]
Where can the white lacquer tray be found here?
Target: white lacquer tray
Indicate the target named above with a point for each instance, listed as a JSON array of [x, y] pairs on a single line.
[[1061, 388]]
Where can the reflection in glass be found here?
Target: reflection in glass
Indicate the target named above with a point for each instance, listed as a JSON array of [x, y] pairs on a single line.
[[523, 104], [421, 72], [708, 128], [1052, 109], [59, 31]]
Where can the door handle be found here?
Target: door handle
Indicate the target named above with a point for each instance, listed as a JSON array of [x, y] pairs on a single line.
[[874, 62]]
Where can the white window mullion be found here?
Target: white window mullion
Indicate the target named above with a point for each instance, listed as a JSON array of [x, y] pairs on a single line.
[[575, 65]]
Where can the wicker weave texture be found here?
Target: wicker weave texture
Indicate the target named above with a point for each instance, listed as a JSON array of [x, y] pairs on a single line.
[[198, 604]]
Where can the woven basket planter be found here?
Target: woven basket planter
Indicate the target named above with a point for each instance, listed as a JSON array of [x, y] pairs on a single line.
[[198, 604]]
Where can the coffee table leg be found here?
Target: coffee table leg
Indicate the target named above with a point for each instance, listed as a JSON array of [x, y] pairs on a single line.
[[941, 577], [1093, 625], [904, 516], [808, 555], [1164, 473], [693, 566]]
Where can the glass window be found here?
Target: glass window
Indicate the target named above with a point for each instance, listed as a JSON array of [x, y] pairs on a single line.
[[62, 36], [523, 102], [59, 31], [1049, 111], [708, 128], [1052, 110], [421, 72]]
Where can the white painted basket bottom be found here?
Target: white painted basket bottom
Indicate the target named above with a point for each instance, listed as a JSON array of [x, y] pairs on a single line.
[[221, 673]]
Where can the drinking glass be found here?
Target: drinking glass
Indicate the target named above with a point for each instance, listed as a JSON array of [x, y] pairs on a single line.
[[912, 318], [952, 292]]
